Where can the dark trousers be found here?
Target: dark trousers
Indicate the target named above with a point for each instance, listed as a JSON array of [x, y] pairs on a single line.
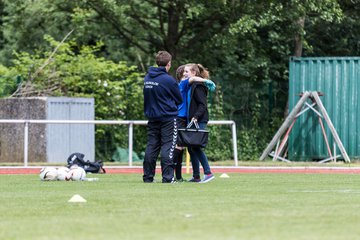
[[178, 153], [178, 159], [161, 138]]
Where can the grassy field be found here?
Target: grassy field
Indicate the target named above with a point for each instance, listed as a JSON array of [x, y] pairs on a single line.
[[244, 206]]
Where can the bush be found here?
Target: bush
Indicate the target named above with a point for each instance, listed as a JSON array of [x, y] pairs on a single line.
[[76, 71]]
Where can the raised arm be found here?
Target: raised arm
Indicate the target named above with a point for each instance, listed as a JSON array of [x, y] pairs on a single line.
[[196, 79], [209, 84]]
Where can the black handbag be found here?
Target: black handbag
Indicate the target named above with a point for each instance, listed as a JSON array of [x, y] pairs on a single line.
[[192, 137]]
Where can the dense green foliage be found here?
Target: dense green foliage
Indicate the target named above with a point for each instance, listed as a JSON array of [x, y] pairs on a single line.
[[244, 206], [246, 46], [116, 87]]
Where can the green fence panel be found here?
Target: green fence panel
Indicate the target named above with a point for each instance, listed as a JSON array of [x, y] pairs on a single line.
[[338, 78]]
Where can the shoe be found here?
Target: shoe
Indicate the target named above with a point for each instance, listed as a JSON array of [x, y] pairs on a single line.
[[171, 181], [180, 180], [197, 180], [208, 178], [148, 181]]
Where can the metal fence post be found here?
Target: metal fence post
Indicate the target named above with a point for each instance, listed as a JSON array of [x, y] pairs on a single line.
[[234, 140], [131, 124], [26, 143]]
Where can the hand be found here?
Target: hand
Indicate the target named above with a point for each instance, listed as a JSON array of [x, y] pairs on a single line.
[[194, 120], [210, 85]]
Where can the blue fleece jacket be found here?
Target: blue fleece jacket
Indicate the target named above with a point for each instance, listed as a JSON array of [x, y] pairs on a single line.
[[161, 95], [184, 88]]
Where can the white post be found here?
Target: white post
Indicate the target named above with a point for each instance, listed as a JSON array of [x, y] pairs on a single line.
[[26, 143], [234, 140], [131, 124]]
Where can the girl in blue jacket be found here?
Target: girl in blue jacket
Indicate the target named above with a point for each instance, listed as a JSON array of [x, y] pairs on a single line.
[[182, 119]]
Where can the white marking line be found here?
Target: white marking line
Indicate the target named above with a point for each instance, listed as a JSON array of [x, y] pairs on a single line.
[[355, 191]]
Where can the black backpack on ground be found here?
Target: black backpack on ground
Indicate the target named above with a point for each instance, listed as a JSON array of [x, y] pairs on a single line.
[[89, 167]]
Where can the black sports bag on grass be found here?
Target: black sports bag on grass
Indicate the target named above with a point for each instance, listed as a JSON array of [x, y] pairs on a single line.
[[89, 167]]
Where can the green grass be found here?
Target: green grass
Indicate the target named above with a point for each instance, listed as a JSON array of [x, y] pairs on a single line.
[[244, 206]]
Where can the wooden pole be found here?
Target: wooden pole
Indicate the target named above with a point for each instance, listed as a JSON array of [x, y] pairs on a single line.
[[288, 121], [325, 137], [316, 97]]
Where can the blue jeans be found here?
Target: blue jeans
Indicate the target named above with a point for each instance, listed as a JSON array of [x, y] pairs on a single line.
[[198, 156]]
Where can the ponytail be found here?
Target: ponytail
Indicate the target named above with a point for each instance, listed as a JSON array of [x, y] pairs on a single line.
[[204, 73], [199, 70]]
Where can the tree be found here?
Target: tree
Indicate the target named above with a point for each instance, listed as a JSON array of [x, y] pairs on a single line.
[[116, 87], [178, 26], [25, 22], [339, 39], [245, 44]]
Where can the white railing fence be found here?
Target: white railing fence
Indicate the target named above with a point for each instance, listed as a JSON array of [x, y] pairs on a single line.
[[130, 124]]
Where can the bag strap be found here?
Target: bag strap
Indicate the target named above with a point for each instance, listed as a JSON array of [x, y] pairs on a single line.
[[190, 124], [102, 169], [193, 122]]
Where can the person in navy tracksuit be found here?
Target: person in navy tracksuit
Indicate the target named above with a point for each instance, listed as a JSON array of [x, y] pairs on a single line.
[[161, 99]]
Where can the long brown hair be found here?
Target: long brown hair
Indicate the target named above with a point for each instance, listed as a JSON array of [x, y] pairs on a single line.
[[199, 70]]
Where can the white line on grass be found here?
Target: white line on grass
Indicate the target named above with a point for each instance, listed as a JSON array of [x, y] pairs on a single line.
[[354, 191]]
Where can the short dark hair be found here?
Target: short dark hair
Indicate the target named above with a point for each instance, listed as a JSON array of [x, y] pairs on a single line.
[[180, 72], [163, 58]]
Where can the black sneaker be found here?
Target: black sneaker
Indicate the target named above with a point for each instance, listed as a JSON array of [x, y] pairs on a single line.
[[148, 181], [180, 180], [171, 181], [196, 180]]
